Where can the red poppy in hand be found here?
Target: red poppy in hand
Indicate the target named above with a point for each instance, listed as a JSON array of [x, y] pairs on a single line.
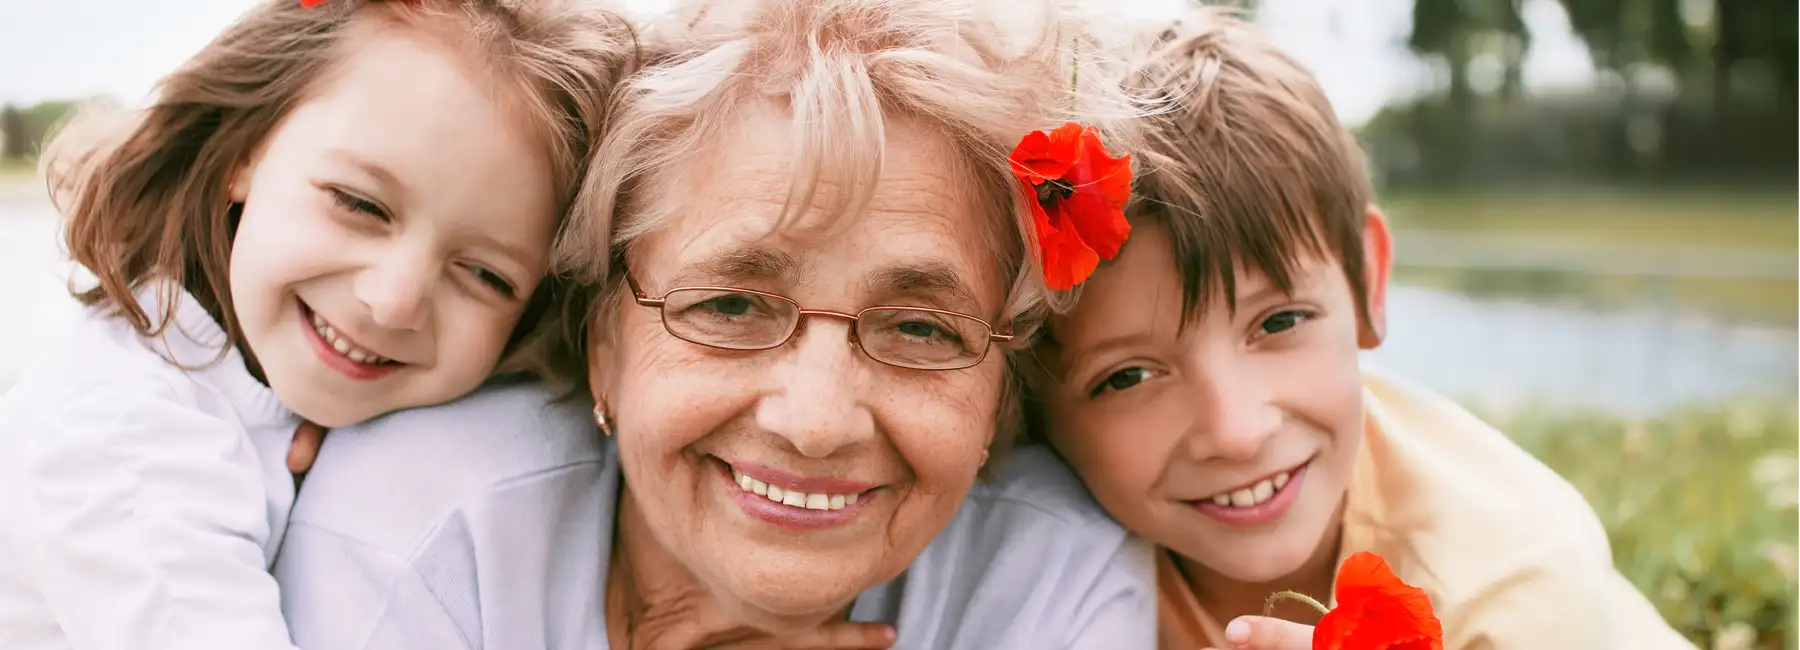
[[1077, 193], [1376, 611]]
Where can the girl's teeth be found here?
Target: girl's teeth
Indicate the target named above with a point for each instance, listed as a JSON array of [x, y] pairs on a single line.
[[343, 346], [813, 501], [1254, 495]]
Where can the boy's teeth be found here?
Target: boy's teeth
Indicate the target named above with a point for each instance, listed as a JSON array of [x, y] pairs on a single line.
[[343, 346], [812, 501], [1254, 495]]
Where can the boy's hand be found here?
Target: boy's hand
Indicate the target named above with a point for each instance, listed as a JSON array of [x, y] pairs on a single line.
[[1259, 633], [304, 449]]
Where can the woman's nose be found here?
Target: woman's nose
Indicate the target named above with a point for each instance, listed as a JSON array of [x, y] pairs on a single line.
[[816, 402], [397, 291]]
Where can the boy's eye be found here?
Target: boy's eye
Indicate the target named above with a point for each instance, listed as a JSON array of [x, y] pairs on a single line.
[[358, 204], [1122, 380], [494, 281], [1282, 321]]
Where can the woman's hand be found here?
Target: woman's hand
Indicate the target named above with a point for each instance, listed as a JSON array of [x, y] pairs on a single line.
[[1261, 633], [842, 635]]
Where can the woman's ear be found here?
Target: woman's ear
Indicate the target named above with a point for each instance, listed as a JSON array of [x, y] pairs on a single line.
[[1378, 262], [601, 356]]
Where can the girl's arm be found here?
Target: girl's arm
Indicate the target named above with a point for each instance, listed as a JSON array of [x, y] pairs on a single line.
[[144, 524]]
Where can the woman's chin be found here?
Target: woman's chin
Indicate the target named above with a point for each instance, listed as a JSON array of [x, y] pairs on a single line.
[[796, 605]]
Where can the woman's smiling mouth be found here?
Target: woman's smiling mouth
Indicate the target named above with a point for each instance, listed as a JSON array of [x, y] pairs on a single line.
[[792, 501]]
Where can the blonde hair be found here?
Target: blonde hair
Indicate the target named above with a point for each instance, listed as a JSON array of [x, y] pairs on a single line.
[[146, 194], [1249, 162], [982, 72]]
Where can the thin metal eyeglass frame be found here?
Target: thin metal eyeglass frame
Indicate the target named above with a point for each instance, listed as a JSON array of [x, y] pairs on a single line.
[[657, 303]]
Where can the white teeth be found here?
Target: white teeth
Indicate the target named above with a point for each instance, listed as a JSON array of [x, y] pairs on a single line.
[[1254, 495], [1263, 490], [1243, 498], [342, 345], [809, 501]]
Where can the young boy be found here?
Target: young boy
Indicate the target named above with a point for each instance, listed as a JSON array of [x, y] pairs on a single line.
[[1207, 389]]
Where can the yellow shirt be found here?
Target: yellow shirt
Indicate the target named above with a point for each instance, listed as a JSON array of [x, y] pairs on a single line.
[[1510, 553]]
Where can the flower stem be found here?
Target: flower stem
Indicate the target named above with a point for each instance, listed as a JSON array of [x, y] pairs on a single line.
[[1269, 605]]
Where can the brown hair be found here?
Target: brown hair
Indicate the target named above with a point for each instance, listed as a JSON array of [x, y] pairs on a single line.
[[843, 69], [1248, 163], [147, 196]]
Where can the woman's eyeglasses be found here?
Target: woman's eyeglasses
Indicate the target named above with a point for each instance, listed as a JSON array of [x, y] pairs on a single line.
[[743, 319]]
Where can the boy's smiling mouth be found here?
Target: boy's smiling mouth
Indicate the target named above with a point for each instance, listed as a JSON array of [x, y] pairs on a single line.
[[1257, 502]]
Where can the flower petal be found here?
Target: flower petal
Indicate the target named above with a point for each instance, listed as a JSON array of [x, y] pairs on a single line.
[[1377, 611], [1102, 185], [1067, 260], [1044, 156]]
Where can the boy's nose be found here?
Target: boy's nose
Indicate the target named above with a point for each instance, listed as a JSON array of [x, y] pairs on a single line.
[[1232, 419]]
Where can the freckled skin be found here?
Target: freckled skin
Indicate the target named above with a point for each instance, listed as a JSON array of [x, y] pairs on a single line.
[[815, 407]]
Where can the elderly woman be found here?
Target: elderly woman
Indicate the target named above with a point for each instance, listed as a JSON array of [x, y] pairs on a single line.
[[799, 335]]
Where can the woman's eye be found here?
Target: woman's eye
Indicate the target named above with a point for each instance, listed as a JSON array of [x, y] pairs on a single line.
[[354, 203], [729, 305], [1282, 321], [925, 331], [1122, 380], [495, 281]]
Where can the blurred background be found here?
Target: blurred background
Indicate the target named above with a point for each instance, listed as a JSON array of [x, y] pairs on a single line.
[[1595, 213]]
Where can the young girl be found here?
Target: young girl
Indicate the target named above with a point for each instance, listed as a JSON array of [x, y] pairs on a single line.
[[330, 213], [1207, 390]]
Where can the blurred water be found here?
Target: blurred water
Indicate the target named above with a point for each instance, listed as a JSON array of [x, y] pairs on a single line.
[[1492, 353]]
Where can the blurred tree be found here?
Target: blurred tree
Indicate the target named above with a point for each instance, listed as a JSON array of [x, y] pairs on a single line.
[[12, 134], [1459, 31]]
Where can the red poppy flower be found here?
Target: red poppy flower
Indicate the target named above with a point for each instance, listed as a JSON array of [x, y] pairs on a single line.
[[1077, 193], [1376, 611]]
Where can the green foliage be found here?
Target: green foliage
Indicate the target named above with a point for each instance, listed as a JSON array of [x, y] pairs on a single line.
[[1700, 506], [24, 130]]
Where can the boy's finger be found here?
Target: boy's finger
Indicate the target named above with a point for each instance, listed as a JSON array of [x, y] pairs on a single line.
[[1260, 633], [305, 447]]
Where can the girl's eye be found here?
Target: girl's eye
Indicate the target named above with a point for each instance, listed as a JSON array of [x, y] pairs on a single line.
[[1122, 380], [495, 281], [358, 204], [1283, 321]]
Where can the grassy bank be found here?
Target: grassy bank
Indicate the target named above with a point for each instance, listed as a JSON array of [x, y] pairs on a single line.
[[1723, 222], [1700, 507]]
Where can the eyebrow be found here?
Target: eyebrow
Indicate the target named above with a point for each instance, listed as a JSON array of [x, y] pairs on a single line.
[[928, 277], [381, 174], [738, 264], [1078, 365]]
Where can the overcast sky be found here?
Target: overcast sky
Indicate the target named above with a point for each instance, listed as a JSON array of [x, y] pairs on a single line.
[[52, 49]]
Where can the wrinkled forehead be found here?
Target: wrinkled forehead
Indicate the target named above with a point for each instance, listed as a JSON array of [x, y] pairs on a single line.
[[923, 232]]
